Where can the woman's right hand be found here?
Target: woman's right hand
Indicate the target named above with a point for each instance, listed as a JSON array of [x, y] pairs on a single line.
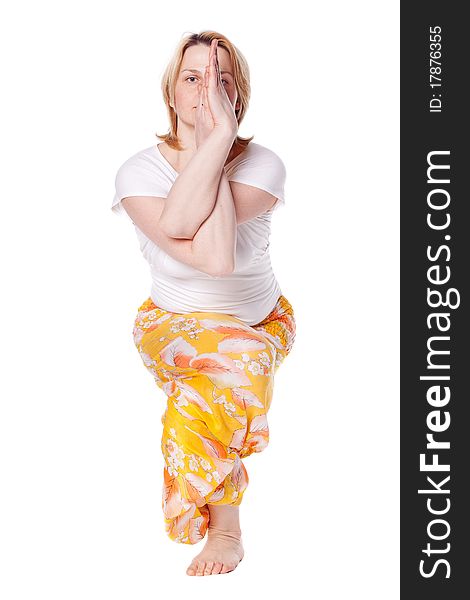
[[222, 111], [204, 124]]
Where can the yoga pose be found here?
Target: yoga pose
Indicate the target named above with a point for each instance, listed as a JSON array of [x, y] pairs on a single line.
[[216, 325]]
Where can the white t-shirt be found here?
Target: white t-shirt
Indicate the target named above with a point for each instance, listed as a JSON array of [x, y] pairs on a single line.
[[251, 291]]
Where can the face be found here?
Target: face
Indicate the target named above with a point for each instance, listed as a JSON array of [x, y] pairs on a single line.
[[191, 74]]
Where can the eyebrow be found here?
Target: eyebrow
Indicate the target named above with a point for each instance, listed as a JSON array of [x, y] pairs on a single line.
[[196, 71]]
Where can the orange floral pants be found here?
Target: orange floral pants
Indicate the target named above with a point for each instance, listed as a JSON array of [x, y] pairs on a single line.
[[218, 375]]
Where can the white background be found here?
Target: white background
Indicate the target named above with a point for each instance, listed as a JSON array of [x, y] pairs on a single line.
[[80, 458]]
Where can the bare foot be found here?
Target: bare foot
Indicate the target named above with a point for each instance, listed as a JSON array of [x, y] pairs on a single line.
[[221, 554]]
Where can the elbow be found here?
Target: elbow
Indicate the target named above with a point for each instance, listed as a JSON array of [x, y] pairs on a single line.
[[174, 230]]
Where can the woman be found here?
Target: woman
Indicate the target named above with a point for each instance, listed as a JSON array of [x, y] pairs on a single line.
[[216, 326]]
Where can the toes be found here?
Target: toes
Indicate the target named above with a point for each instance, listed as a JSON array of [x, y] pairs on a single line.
[[201, 567], [228, 567]]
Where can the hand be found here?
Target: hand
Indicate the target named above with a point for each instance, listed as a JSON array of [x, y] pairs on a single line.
[[222, 111], [204, 122]]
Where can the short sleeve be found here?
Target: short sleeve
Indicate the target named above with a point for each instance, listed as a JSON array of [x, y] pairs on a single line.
[[135, 179], [262, 168]]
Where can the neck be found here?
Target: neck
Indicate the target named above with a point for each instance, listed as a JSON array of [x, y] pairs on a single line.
[[187, 137]]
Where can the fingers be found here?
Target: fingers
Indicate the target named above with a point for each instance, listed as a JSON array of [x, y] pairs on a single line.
[[214, 70], [213, 53], [205, 98], [200, 107], [203, 108], [204, 94]]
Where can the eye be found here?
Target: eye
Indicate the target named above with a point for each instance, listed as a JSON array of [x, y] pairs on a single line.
[[194, 77]]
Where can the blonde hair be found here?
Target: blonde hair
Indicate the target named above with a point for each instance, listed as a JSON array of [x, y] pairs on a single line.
[[241, 75]]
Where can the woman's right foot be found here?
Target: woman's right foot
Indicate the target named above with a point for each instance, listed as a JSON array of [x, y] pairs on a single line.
[[221, 554]]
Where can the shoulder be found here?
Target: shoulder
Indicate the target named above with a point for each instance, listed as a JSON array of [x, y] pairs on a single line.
[[142, 174], [257, 158], [261, 167], [260, 158], [140, 161], [258, 150]]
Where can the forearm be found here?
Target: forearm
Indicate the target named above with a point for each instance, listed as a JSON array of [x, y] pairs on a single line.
[[216, 238], [193, 195]]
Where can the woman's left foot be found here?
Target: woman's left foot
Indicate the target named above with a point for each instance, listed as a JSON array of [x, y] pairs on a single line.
[[221, 554]]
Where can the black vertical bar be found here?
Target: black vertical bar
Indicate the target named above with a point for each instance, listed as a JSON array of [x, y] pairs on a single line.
[[434, 120]]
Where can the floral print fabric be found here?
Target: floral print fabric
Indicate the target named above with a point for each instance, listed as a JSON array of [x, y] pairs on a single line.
[[218, 374]]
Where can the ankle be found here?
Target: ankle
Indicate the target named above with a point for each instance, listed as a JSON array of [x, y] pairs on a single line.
[[224, 517], [232, 532]]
